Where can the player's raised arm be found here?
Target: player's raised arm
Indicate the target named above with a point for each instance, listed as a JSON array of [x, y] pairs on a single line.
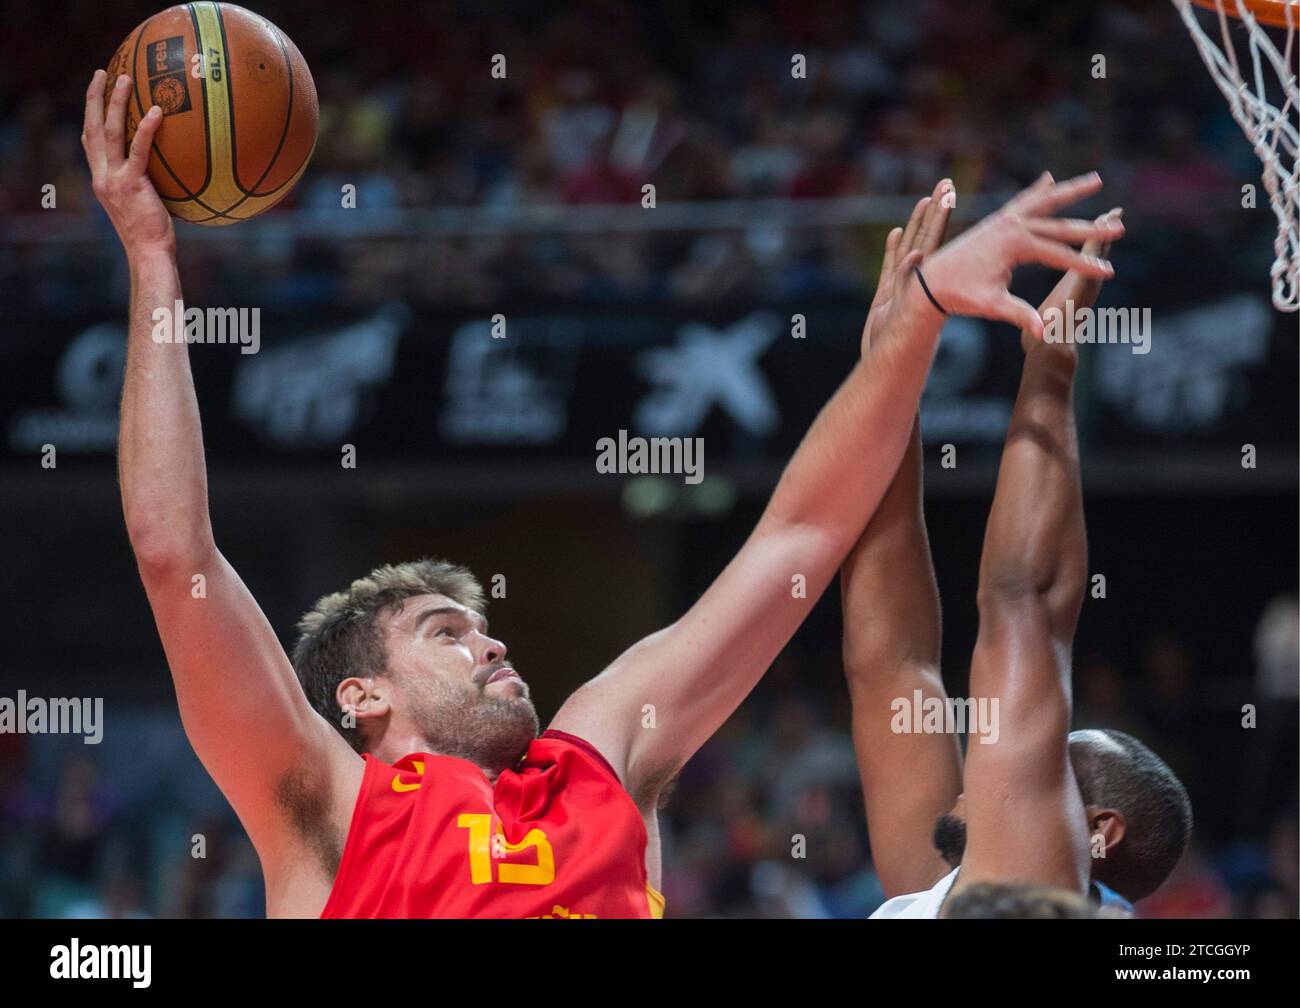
[[660, 700], [1024, 816], [891, 644], [240, 702]]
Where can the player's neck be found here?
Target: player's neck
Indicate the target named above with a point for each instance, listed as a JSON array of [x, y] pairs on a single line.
[[392, 750]]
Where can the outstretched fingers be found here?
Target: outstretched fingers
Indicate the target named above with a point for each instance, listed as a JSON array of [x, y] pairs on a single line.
[[1064, 258], [1076, 232], [934, 222], [1086, 289], [1052, 198], [908, 241], [1112, 216], [138, 160], [115, 122], [885, 284], [1043, 183], [92, 131]]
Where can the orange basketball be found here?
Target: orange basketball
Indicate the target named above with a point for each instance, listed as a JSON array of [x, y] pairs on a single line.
[[239, 109]]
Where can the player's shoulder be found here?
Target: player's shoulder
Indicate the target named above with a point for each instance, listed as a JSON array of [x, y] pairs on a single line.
[[554, 745]]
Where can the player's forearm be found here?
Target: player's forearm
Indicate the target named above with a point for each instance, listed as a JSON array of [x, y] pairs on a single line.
[[1035, 540], [1032, 568], [851, 453], [1030, 590], [891, 651], [697, 671], [160, 441], [890, 598]]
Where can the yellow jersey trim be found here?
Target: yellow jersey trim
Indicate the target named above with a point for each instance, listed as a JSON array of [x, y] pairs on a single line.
[[656, 900]]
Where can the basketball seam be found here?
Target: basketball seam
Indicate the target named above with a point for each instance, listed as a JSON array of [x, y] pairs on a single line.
[[230, 103], [228, 216], [288, 62], [288, 113], [207, 123], [288, 118]]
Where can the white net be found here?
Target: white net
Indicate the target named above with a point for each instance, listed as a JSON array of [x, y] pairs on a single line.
[[1271, 130]]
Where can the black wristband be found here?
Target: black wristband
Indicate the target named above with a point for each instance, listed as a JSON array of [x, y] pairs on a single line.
[[925, 287]]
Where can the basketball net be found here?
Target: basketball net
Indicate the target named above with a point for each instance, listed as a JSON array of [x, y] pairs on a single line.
[[1271, 131]]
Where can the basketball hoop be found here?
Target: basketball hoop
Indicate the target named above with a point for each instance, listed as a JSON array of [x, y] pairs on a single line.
[[1272, 131]]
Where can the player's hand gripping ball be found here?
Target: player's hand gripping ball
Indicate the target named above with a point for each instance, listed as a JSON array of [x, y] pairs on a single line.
[[238, 103]]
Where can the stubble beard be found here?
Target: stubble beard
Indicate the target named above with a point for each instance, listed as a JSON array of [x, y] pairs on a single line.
[[489, 731], [950, 838]]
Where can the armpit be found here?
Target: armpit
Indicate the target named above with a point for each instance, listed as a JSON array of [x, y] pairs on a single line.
[[304, 795]]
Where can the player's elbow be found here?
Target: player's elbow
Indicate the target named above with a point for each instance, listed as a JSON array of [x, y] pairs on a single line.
[[888, 642], [1011, 595], [877, 679], [867, 658], [810, 551], [1007, 587], [856, 658], [161, 551]]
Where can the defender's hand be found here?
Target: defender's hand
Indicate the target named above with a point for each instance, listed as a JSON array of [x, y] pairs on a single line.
[[924, 233], [121, 181], [970, 276], [1081, 290]]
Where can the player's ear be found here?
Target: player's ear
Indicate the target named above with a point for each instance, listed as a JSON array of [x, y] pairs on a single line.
[[1107, 823], [364, 697]]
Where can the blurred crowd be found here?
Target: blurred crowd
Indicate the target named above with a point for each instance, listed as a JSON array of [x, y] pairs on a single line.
[[599, 99], [766, 821]]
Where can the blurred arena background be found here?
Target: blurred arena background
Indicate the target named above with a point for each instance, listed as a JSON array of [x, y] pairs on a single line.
[[522, 197]]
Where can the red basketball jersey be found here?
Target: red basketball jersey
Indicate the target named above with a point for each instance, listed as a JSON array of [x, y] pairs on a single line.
[[557, 836]]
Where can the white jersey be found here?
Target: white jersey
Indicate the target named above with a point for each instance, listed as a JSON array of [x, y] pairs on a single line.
[[923, 905]]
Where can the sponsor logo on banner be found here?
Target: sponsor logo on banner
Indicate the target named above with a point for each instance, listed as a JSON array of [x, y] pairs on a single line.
[[1194, 372], [513, 390], [88, 379], [710, 367], [312, 393]]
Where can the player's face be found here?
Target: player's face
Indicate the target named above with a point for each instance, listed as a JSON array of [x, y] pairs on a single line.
[[453, 682], [949, 837], [435, 636]]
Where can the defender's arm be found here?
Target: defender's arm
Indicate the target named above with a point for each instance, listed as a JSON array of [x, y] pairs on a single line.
[[1024, 816], [891, 648]]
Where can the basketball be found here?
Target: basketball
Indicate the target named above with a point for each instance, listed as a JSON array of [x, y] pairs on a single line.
[[239, 109]]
